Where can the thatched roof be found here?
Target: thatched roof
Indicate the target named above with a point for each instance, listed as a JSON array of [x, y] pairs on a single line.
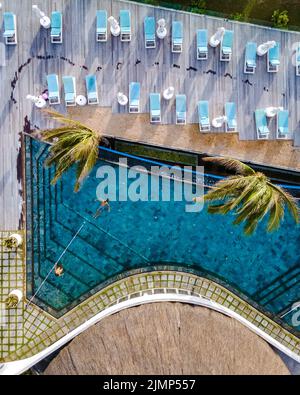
[[167, 338]]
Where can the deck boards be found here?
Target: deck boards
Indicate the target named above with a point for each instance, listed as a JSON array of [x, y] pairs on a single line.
[[80, 55]]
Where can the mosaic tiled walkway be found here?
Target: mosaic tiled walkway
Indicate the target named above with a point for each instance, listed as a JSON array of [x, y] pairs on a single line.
[[41, 330]]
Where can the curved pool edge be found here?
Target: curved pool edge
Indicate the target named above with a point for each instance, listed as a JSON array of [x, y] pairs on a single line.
[[143, 288], [18, 367]]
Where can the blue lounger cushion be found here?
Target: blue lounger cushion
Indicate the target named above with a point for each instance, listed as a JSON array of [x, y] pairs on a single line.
[[155, 104], [69, 88], [250, 55], [274, 54], [9, 24], [149, 26], [56, 23], [261, 122], [283, 122], [230, 112], [177, 32], [227, 42], [125, 21], [203, 113], [202, 40], [134, 93], [91, 86], [52, 83], [181, 106], [101, 21]]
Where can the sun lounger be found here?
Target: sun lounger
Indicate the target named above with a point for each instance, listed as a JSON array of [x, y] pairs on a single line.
[[180, 109], [177, 36], [298, 60], [282, 124], [203, 115], [101, 30], [70, 90], [202, 44], [10, 28], [262, 129], [250, 58], [125, 25], [53, 89], [56, 27], [155, 113], [92, 90], [134, 97], [226, 46], [230, 113], [273, 58], [149, 28]]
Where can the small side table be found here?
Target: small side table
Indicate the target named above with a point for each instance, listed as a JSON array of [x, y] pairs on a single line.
[[81, 100]]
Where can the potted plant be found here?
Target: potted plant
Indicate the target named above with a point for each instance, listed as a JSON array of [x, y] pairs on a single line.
[[15, 240], [14, 298]]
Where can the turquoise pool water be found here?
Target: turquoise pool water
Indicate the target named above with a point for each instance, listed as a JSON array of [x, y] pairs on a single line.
[[264, 267]]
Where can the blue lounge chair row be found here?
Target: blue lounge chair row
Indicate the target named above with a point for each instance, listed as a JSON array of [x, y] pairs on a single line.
[[225, 46], [181, 112], [101, 25], [273, 58], [70, 89], [282, 124], [204, 119]]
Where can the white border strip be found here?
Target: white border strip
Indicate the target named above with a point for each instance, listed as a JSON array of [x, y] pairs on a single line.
[[18, 367]]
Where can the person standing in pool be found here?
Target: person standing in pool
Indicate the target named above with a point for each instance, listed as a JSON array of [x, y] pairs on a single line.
[[104, 204]]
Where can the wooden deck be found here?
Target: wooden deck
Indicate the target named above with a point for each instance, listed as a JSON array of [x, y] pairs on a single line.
[[28, 63]]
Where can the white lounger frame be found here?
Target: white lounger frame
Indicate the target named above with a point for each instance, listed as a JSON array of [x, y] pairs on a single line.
[[202, 55], [204, 128], [225, 57], [176, 48], [101, 37]]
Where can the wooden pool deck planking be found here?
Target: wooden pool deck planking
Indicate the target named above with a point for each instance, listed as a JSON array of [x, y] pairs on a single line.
[[28, 63]]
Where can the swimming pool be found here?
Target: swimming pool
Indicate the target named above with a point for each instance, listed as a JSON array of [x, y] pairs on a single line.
[[264, 267]]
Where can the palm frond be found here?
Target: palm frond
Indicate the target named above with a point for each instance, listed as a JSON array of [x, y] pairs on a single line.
[[231, 164], [250, 196], [71, 144]]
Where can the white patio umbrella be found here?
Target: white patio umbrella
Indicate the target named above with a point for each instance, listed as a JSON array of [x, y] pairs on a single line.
[[114, 26], [161, 29], [263, 48], [217, 37], [122, 98], [169, 93], [218, 121], [44, 19], [272, 111]]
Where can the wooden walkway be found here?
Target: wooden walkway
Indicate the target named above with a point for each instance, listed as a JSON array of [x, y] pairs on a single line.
[[28, 63]]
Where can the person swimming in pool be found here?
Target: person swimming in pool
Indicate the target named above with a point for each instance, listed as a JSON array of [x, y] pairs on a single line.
[[58, 270], [104, 204]]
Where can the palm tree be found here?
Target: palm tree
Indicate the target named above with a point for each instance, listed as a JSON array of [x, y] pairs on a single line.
[[250, 196], [72, 143]]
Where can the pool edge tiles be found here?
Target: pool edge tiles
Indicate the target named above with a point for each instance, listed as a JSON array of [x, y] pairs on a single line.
[[139, 284]]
